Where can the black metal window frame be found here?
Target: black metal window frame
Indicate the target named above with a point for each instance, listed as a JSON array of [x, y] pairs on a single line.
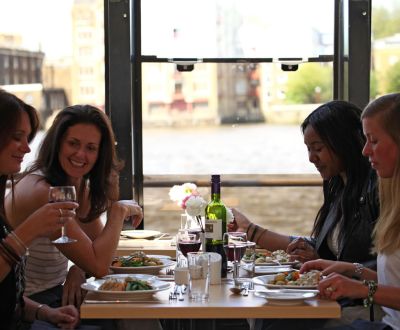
[[123, 73]]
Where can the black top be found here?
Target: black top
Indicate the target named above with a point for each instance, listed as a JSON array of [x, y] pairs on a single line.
[[11, 290]]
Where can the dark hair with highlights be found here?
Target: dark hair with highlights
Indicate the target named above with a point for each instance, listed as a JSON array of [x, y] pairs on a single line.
[[11, 109], [102, 180], [339, 126]]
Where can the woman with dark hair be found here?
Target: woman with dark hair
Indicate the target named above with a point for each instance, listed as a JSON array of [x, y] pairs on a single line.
[[18, 125], [343, 226], [78, 150]]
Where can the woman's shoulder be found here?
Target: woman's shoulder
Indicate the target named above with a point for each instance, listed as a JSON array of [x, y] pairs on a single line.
[[32, 184]]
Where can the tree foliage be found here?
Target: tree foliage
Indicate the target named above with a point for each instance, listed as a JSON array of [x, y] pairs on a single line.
[[310, 84], [393, 78], [385, 22]]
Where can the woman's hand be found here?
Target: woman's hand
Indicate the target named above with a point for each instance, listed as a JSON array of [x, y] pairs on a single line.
[[239, 223], [66, 317], [299, 249], [328, 267], [49, 218], [336, 286], [72, 292], [133, 211]]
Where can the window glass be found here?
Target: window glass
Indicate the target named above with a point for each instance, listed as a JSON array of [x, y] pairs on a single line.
[[385, 73], [237, 28]]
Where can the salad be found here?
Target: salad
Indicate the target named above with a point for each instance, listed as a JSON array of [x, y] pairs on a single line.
[[136, 259]]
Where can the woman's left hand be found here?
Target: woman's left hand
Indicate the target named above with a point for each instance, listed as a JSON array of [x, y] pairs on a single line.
[[336, 286], [72, 292], [66, 317], [133, 211], [299, 249]]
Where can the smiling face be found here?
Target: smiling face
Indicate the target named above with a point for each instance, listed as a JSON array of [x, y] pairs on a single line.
[[12, 155], [79, 149], [326, 162], [380, 148]]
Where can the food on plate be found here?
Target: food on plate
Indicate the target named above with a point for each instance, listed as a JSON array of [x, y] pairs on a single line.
[[136, 259], [127, 284], [272, 257], [295, 278]]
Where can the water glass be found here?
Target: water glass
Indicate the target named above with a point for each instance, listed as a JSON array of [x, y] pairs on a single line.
[[249, 258], [199, 275]]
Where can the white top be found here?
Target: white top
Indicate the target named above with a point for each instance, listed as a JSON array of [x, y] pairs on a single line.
[[388, 274], [46, 266]]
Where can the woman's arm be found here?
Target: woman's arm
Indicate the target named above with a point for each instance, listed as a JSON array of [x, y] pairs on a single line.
[[66, 317], [264, 238], [94, 257]]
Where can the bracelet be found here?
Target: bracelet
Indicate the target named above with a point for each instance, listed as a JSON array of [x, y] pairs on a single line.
[[19, 242], [261, 235], [9, 250], [372, 287], [37, 311], [358, 270], [248, 228], [254, 233]]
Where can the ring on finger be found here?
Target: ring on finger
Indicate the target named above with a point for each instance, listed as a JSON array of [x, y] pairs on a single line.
[[330, 289]]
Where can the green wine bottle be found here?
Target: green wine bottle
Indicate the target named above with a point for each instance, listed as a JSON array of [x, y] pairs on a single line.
[[215, 223]]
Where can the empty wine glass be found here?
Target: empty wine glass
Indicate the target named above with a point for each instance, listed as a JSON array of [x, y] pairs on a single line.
[[62, 194], [235, 247]]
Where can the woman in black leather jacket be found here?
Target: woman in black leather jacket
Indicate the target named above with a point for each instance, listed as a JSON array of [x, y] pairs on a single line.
[[343, 226]]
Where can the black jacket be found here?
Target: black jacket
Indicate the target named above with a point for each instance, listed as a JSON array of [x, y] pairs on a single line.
[[357, 240]]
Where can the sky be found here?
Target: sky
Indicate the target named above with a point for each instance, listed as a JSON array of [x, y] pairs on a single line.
[[35, 20]]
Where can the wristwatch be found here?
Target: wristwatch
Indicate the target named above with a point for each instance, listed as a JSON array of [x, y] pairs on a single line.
[[358, 270]]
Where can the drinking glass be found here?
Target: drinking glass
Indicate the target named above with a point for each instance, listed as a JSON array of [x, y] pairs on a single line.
[[235, 247], [187, 242], [62, 194], [199, 275]]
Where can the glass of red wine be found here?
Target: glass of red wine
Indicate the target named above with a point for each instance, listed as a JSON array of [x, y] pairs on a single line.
[[187, 241], [62, 194], [235, 244]]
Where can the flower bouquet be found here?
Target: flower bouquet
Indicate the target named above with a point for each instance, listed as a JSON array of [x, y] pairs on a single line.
[[189, 199]]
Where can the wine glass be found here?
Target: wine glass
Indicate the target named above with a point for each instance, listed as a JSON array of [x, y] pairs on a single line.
[[235, 246], [62, 194], [187, 241]]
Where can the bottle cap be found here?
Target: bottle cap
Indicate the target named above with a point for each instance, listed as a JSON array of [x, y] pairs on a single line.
[[215, 178]]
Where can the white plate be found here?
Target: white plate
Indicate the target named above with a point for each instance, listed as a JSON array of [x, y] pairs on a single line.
[[143, 269], [159, 256], [287, 263], [140, 233], [285, 298], [144, 277], [125, 295], [264, 279], [268, 269]]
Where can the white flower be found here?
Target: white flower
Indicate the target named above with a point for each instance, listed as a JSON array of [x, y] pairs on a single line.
[[179, 193], [229, 215], [195, 206]]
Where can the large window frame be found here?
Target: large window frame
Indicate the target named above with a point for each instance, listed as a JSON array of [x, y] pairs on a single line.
[[123, 61]]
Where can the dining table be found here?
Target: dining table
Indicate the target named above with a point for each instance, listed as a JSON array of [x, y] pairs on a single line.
[[221, 304]]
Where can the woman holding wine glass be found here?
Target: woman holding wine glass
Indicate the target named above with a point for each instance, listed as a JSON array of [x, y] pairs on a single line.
[[78, 150], [18, 125]]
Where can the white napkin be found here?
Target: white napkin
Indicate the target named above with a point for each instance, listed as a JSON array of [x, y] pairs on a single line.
[[215, 268]]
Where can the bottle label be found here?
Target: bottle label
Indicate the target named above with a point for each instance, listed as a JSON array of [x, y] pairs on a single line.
[[213, 229]]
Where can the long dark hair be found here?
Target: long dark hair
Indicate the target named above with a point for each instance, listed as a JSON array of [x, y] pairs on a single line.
[[102, 180], [11, 109], [339, 126]]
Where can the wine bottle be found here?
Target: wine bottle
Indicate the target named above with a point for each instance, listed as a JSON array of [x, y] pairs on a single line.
[[215, 223]]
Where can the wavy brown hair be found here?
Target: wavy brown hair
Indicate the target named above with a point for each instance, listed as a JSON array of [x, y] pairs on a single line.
[[11, 109], [103, 178]]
